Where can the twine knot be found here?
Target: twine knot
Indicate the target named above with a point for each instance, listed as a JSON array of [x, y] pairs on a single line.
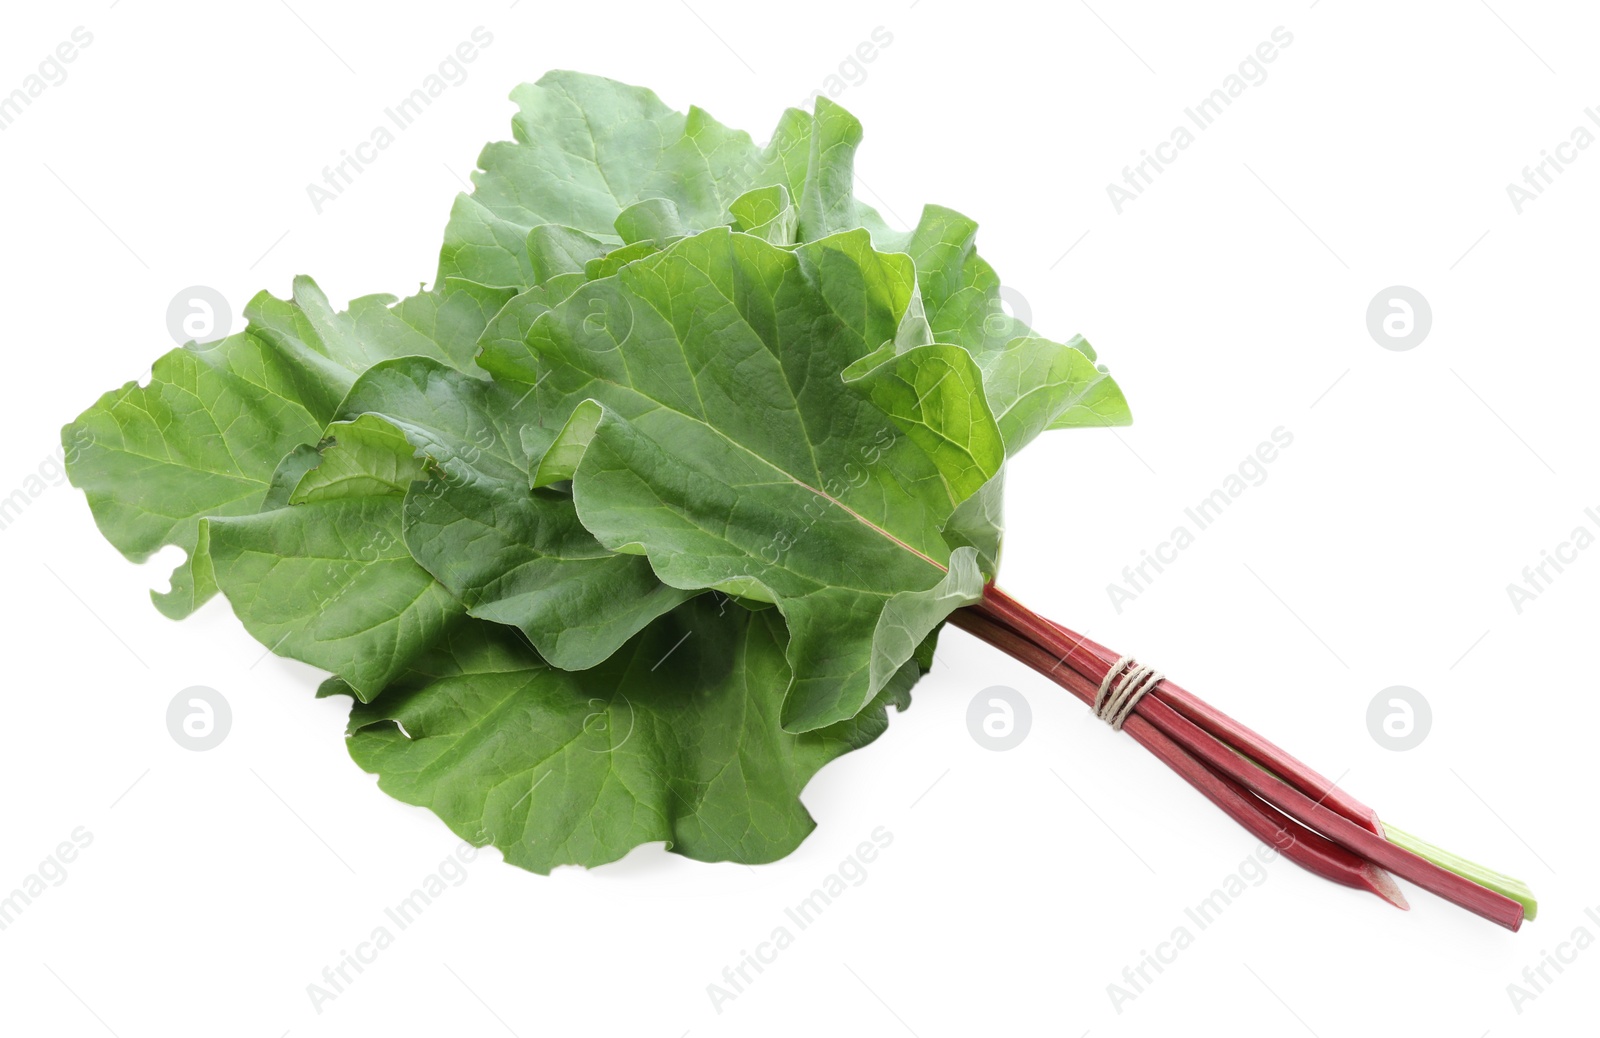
[[1124, 685]]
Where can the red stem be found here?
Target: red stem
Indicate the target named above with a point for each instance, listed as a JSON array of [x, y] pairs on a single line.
[[1344, 820], [1098, 660], [1341, 830], [1260, 749], [1304, 847]]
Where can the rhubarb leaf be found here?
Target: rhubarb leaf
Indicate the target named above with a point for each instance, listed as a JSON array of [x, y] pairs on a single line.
[[730, 451], [587, 149], [657, 360], [675, 739], [204, 436], [768, 213], [457, 447], [331, 583], [800, 188]]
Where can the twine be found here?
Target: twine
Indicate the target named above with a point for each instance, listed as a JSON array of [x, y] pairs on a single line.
[[1119, 695]]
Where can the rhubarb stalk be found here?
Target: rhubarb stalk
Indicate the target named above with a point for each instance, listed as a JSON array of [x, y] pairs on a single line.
[[1263, 787]]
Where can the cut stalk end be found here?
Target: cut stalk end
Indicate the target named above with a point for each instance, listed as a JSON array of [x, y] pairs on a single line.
[[1498, 882], [1382, 884]]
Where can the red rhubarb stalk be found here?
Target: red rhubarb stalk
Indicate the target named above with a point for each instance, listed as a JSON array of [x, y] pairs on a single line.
[[1306, 848], [1093, 661], [1233, 759]]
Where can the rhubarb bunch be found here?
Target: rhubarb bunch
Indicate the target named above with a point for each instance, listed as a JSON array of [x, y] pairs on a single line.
[[656, 501]]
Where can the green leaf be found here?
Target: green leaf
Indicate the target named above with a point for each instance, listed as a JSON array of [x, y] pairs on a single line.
[[1037, 384], [732, 454], [654, 221], [657, 360], [554, 250], [616, 259], [959, 288], [674, 739], [204, 436], [935, 393], [502, 349], [979, 523], [455, 446], [588, 148], [768, 213], [1032, 383], [367, 456], [640, 183], [331, 583], [828, 204], [289, 474], [561, 458], [328, 349]]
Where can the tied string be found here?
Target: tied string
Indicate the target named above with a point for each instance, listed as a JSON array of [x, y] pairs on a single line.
[[1124, 685]]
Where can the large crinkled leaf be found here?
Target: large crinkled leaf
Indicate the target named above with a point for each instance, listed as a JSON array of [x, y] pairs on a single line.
[[457, 448], [828, 201], [204, 436], [588, 148], [201, 438], [979, 523], [331, 348], [1035, 384], [364, 456], [331, 583], [934, 392], [558, 258], [674, 739], [752, 383], [768, 213], [421, 452], [959, 288], [612, 164], [453, 315], [1031, 383], [590, 151], [729, 450], [554, 250]]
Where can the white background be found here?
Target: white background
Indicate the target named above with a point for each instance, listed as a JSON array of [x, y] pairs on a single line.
[[1229, 299]]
